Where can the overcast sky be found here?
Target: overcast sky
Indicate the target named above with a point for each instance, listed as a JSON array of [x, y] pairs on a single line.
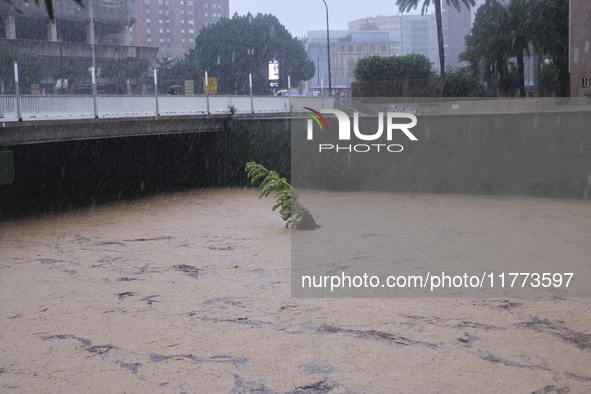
[[299, 16]]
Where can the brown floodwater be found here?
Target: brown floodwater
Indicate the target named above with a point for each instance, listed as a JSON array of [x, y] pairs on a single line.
[[190, 293]]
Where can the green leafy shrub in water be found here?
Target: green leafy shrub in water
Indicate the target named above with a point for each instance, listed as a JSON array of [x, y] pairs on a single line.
[[291, 210]]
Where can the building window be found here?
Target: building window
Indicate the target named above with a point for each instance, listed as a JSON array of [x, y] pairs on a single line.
[[350, 63], [350, 48], [359, 48]]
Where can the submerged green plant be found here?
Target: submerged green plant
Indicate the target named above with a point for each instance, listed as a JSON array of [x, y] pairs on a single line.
[[291, 210]]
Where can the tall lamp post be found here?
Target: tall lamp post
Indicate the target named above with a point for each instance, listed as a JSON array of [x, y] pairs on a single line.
[[328, 49], [93, 60]]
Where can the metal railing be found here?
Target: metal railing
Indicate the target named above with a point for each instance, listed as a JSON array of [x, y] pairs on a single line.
[[79, 106]]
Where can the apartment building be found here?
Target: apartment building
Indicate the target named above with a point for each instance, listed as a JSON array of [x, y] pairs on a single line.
[[172, 25]]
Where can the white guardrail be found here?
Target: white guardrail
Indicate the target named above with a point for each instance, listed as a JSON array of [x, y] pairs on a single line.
[[78, 106]]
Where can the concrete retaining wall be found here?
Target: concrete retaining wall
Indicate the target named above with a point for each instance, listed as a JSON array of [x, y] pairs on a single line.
[[531, 154], [539, 154]]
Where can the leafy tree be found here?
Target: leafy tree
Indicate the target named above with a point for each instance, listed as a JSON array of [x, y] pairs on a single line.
[[175, 72], [381, 68], [489, 48], [406, 5], [520, 33], [462, 83], [550, 23], [73, 71], [549, 77], [123, 69], [235, 47], [30, 68], [291, 210], [503, 31]]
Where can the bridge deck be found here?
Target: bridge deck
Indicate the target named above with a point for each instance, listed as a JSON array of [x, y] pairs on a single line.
[[43, 131]]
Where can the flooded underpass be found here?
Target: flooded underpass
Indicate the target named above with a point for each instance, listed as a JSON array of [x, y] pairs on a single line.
[[190, 292]]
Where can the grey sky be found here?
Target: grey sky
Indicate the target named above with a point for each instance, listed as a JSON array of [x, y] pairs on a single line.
[[299, 16]]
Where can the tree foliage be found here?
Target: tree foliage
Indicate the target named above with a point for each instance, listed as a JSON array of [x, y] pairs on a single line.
[[550, 23], [232, 48], [549, 76], [292, 212], [462, 83], [380, 68], [122, 69], [501, 32], [488, 48], [30, 68], [407, 5]]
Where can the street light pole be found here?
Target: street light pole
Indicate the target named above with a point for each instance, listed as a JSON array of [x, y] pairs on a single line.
[[328, 49], [93, 60]]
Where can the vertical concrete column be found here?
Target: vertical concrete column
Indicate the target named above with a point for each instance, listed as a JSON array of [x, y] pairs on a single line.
[[125, 35], [51, 31], [10, 28]]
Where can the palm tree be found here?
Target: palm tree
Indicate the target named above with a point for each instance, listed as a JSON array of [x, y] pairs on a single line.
[[519, 28], [406, 5], [551, 31], [490, 46]]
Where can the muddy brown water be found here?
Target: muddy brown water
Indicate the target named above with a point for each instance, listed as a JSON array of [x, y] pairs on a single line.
[[190, 293]]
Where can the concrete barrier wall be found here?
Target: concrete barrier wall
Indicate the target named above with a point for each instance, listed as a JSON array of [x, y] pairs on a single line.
[[478, 105], [530, 154]]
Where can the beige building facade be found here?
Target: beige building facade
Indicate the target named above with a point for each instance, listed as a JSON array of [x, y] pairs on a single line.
[[580, 48]]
